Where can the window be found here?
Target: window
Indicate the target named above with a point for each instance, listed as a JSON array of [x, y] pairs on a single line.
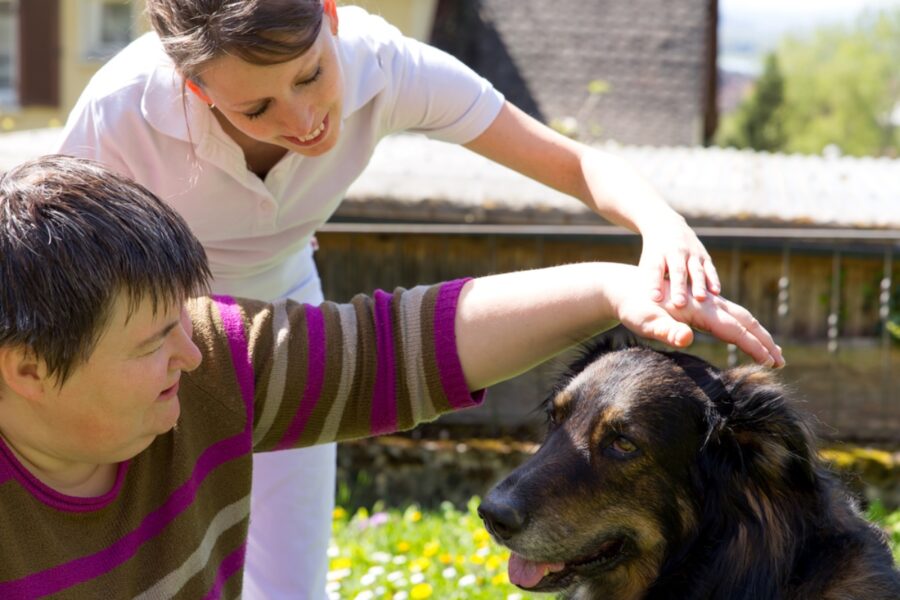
[[108, 27], [8, 41]]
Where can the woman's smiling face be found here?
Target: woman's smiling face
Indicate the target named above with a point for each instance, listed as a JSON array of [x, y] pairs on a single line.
[[295, 105]]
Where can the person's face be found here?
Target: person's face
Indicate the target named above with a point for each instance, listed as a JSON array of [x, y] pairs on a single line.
[[295, 105], [113, 406]]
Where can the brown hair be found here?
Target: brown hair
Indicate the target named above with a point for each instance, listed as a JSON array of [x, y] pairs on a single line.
[[73, 237], [196, 32]]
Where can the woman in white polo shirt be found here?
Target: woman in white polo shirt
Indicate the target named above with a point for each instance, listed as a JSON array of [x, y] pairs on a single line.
[[285, 112]]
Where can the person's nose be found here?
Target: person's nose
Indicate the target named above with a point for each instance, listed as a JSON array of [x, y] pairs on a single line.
[[186, 356], [301, 119]]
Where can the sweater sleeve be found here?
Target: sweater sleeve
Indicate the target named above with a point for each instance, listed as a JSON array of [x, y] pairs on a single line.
[[307, 375]]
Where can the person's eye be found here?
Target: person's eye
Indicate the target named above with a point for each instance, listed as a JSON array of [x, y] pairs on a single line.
[[313, 79], [258, 112], [154, 351]]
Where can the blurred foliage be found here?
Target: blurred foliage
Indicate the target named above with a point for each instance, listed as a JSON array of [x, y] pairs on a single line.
[[841, 87]]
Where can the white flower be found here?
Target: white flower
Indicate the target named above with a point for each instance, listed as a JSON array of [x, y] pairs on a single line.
[[399, 560], [333, 586], [449, 573], [376, 570], [514, 596], [381, 557], [367, 579], [417, 578], [401, 595], [393, 576], [365, 595], [338, 574], [333, 551], [467, 580]]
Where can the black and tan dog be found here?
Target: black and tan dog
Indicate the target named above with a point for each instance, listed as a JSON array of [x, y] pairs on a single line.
[[663, 477]]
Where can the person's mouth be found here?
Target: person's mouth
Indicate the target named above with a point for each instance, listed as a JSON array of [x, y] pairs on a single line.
[[170, 392], [313, 137]]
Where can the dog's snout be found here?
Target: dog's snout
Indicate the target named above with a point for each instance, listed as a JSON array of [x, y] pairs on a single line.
[[502, 519]]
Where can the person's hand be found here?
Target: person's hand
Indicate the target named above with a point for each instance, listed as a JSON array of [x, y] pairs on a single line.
[[672, 248], [670, 323]]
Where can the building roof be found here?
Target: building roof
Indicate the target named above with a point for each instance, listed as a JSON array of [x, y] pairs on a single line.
[[653, 56], [412, 178]]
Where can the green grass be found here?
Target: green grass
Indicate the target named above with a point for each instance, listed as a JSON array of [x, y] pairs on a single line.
[[445, 554]]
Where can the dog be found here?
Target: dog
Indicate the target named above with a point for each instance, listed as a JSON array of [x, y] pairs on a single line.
[[662, 477]]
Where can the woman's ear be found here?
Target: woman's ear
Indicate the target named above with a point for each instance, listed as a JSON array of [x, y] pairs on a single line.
[[23, 373], [331, 11], [198, 91]]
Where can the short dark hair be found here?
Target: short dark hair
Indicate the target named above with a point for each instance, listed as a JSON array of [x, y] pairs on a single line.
[[73, 237]]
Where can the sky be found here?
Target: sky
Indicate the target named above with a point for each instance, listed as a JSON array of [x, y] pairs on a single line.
[[749, 28]]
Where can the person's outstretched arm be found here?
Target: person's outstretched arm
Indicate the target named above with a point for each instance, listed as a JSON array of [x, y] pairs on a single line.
[[385, 362], [612, 188]]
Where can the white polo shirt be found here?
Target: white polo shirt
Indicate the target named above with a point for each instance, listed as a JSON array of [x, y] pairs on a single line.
[[135, 117]]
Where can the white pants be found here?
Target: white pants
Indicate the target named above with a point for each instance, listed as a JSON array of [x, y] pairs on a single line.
[[292, 498], [290, 524]]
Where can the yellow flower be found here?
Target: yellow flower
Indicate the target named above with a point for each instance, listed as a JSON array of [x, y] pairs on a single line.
[[414, 516], [493, 562], [431, 548], [341, 563], [481, 535], [338, 514], [403, 547], [500, 579], [420, 591], [446, 558], [420, 564], [362, 513], [476, 559]]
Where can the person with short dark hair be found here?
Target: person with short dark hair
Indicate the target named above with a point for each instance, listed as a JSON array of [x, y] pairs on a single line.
[[129, 411]]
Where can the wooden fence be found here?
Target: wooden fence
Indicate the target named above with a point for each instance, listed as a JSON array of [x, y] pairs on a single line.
[[826, 294]]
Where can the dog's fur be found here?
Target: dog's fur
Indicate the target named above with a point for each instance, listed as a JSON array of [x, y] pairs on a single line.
[[663, 477]]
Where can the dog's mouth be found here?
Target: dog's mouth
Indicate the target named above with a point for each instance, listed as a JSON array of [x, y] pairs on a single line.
[[548, 576]]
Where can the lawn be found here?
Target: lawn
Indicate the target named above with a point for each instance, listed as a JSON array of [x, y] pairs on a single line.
[[445, 554]]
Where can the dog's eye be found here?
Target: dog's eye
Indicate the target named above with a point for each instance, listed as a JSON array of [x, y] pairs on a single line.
[[623, 445]]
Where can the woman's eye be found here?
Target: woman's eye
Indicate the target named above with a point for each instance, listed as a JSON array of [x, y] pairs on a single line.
[[623, 445], [258, 112], [312, 79]]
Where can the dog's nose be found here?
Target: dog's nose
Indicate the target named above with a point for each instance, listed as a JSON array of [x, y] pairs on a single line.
[[501, 518]]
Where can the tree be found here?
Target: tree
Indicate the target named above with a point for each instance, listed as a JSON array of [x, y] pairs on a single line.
[[759, 121], [841, 87]]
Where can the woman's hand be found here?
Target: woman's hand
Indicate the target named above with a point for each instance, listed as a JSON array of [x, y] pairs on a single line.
[[671, 248]]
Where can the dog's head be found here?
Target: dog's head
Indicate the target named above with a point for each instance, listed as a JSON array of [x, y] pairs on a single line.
[[641, 446]]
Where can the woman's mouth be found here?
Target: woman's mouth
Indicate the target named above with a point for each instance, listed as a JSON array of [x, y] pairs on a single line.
[[170, 392], [311, 138]]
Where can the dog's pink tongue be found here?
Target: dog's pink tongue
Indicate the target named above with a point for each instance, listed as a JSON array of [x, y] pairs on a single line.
[[527, 574]]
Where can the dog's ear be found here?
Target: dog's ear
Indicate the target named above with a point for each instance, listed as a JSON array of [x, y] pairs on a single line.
[[755, 434]]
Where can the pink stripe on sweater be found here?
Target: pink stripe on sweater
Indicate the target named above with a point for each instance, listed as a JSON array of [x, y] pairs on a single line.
[[233, 323], [230, 565], [82, 569], [384, 401], [447, 357], [315, 376]]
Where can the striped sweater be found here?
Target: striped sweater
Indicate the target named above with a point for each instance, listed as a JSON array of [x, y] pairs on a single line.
[[273, 376]]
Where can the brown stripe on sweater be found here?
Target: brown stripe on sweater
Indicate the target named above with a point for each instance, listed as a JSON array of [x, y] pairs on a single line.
[[429, 355], [346, 315], [357, 419]]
